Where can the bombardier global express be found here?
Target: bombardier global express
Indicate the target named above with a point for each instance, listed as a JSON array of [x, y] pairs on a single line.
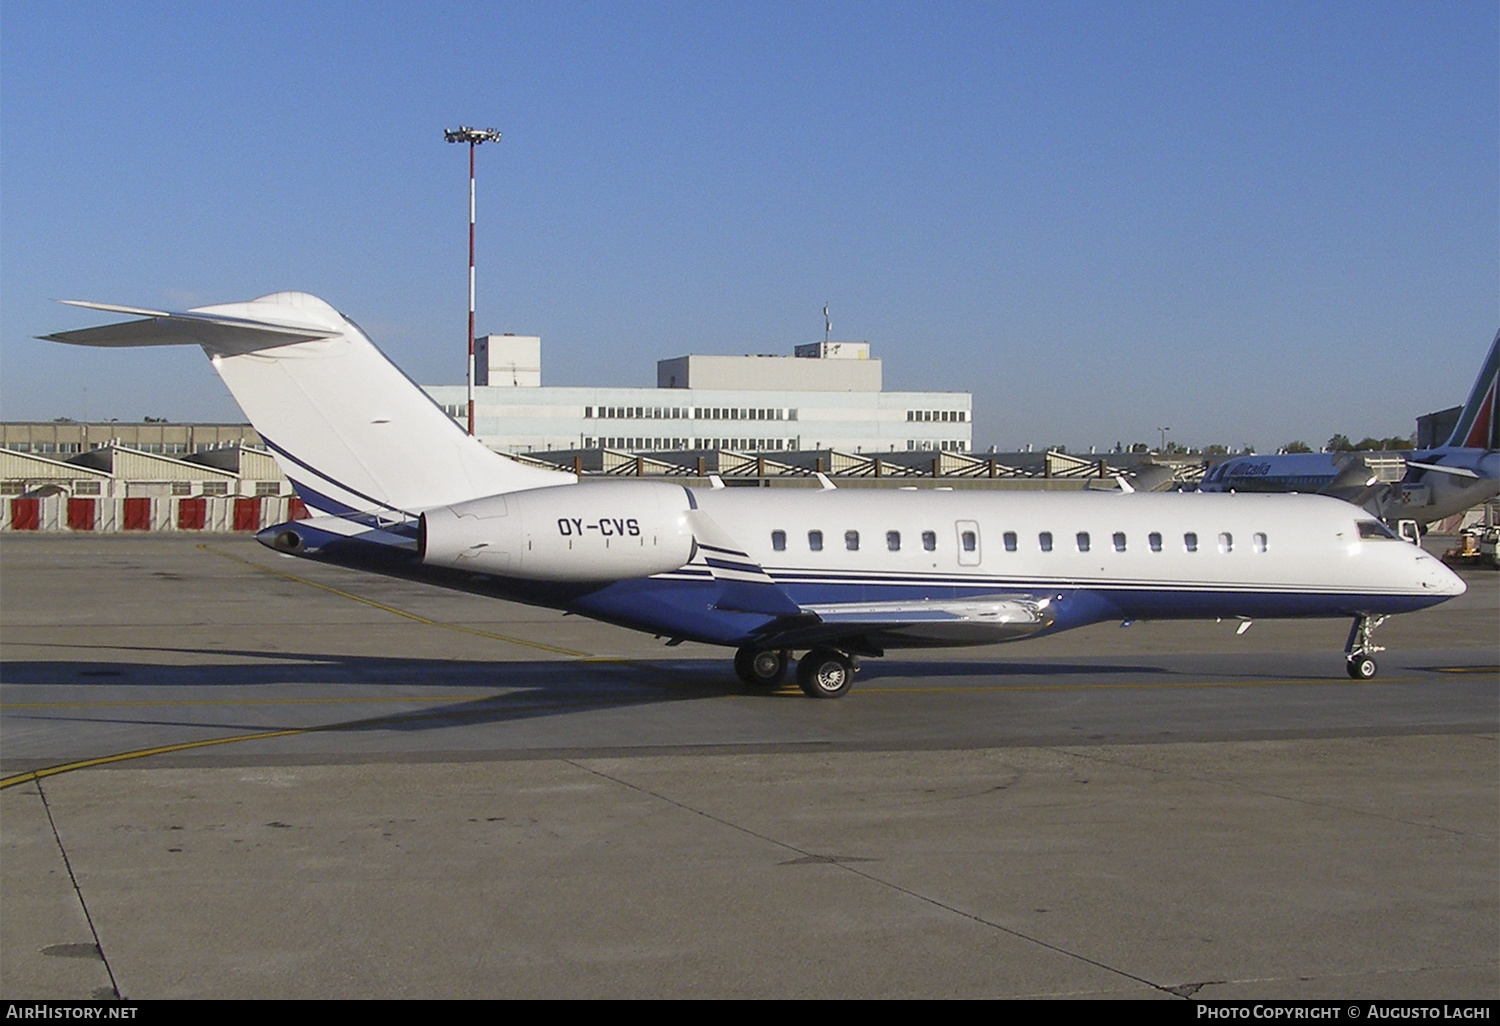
[[397, 487]]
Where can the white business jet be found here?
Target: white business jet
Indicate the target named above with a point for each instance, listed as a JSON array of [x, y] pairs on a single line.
[[397, 487]]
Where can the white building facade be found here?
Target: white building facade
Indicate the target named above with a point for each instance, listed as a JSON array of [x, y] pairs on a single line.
[[829, 396]]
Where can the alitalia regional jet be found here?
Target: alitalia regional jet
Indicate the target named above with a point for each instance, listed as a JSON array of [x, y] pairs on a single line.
[[398, 488]]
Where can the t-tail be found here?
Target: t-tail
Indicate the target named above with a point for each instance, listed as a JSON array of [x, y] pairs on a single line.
[[351, 432]]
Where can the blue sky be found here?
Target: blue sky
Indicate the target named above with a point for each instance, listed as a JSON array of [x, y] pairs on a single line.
[[1252, 222]]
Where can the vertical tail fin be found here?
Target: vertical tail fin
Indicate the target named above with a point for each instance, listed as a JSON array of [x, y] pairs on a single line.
[[1478, 426], [350, 431]]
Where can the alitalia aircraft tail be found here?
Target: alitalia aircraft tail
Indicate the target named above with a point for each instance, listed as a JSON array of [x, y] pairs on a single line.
[[1478, 426], [350, 431]]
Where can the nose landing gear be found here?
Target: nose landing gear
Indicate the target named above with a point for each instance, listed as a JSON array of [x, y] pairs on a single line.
[[1360, 649]]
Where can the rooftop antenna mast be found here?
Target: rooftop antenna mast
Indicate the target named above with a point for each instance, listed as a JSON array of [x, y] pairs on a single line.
[[472, 136], [827, 325]]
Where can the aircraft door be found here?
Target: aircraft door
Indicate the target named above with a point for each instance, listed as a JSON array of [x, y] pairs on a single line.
[[968, 542]]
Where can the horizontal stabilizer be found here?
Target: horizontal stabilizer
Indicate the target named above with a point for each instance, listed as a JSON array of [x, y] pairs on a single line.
[[1441, 469], [218, 334]]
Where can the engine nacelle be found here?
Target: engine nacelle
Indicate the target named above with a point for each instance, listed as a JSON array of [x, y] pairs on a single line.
[[586, 532]]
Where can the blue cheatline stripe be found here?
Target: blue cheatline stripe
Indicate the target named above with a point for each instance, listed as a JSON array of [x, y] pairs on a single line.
[[320, 502], [333, 481]]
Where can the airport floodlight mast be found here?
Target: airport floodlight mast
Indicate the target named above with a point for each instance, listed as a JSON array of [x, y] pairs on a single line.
[[472, 136]]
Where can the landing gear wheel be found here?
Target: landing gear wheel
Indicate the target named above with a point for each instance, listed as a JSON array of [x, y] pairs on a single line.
[[1360, 649], [760, 667], [824, 673]]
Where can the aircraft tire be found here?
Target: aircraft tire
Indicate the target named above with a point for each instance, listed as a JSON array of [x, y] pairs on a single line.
[[825, 673], [760, 667], [1362, 667]]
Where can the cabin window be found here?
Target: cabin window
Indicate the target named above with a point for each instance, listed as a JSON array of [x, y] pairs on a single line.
[[1119, 540], [969, 540], [1045, 540], [815, 540], [1190, 541], [1154, 540], [851, 541], [893, 540], [778, 541], [929, 541], [1226, 541], [1258, 541], [1010, 541], [1083, 541]]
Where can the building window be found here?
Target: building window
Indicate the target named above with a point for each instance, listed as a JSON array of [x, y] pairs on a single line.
[[268, 488], [178, 488], [215, 487], [778, 541], [815, 540], [85, 487]]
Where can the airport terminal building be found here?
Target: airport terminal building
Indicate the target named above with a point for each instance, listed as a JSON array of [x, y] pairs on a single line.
[[828, 395]]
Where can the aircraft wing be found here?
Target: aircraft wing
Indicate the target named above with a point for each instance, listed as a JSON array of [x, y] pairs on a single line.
[[977, 619]]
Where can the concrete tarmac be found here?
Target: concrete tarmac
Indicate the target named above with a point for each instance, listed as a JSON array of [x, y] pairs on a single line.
[[234, 774]]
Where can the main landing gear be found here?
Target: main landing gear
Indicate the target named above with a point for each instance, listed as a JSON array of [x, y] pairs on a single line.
[[761, 667], [822, 673], [1359, 650]]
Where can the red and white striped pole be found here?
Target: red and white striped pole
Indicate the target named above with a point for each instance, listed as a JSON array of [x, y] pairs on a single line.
[[472, 136]]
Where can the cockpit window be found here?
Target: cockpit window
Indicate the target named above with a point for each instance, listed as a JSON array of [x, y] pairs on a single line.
[[1375, 530]]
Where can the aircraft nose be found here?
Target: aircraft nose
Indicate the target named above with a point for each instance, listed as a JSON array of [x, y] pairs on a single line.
[[1440, 579]]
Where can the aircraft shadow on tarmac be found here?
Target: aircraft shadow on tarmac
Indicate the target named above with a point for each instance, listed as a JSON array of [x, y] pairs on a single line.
[[523, 689], [708, 677]]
